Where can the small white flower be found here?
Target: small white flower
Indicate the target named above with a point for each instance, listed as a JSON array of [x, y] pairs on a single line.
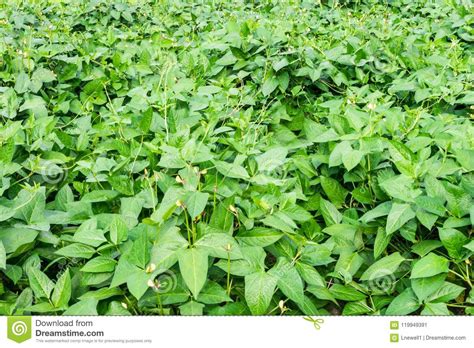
[[371, 106], [150, 268]]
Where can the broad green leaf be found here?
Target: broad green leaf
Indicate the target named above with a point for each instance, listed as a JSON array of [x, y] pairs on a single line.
[[77, 250], [383, 267], [88, 234], [213, 293], [84, 307], [346, 293], [259, 289], [447, 292], [435, 309], [40, 283], [288, 280], [379, 211], [231, 170], [424, 287], [191, 308], [348, 264], [399, 215], [193, 265], [330, 213], [382, 239], [335, 192], [220, 245], [118, 229], [6, 213], [99, 264], [453, 240], [259, 236], [137, 283], [195, 203], [271, 159], [403, 304], [429, 265], [424, 247], [62, 290], [15, 237], [269, 85], [310, 274]]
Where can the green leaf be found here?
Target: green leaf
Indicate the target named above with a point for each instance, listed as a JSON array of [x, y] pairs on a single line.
[[335, 192], [6, 213], [191, 308], [62, 290], [259, 236], [99, 264], [22, 82], [195, 203], [288, 280], [383, 267], [213, 293], [447, 292], [346, 293], [88, 234], [269, 85], [424, 247], [193, 264], [77, 250], [398, 216], [424, 287], [382, 239], [403, 304], [271, 159], [84, 307], [15, 237], [137, 283], [3, 257], [348, 264], [220, 245], [381, 210], [352, 159], [453, 240], [435, 309], [231, 170], [40, 283], [280, 221], [259, 288], [429, 265], [330, 213], [118, 229]]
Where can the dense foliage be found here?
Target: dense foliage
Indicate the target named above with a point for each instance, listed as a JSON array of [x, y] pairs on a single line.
[[218, 157]]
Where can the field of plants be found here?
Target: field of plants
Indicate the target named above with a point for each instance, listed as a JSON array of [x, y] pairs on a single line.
[[236, 157]]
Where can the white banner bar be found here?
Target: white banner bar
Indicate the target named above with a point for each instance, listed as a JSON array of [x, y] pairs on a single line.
[[230, 332]]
